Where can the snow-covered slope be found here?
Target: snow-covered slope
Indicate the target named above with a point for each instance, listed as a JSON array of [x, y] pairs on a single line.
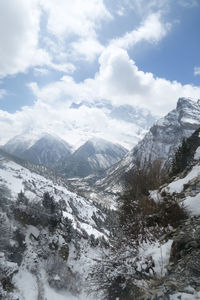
[[41, 149], [49, 259], [94, 156], [159, 143]]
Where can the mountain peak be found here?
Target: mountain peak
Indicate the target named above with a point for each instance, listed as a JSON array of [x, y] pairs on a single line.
[[187, 102]]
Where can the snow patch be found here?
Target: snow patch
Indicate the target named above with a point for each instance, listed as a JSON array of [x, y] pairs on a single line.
[[177, 186], [26, 284]]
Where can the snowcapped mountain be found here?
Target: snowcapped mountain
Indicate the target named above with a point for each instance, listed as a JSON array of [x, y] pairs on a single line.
[[49, 235], [43, 149], [94, 156], [159, 143], [48, 150]]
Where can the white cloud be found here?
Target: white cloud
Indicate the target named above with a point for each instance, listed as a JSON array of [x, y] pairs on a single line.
[[71, 33], [121, 82], [88, 48], [77, 17], [19, 30], [20, 34], [196, 71], [152, 30], [75, 24]]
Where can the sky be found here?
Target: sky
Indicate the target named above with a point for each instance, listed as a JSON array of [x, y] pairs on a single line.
[[142, 54]]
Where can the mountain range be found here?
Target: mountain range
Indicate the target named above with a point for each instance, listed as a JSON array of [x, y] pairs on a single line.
[[93, 157]]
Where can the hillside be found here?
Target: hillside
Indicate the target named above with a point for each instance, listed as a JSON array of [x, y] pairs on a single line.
[[47, 232]]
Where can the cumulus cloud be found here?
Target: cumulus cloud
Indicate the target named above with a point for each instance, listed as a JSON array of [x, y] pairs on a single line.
[[121, 82], [20, 34], [19, 30], [88, 48], [70, 33], [67, 18], [76, 22]]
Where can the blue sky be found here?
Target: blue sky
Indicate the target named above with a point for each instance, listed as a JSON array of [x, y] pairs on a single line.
[[129, 52]]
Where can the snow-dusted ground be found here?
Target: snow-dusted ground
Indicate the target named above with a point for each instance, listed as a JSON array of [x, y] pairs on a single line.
[[28, 289], [78, 209], [17, 178]]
